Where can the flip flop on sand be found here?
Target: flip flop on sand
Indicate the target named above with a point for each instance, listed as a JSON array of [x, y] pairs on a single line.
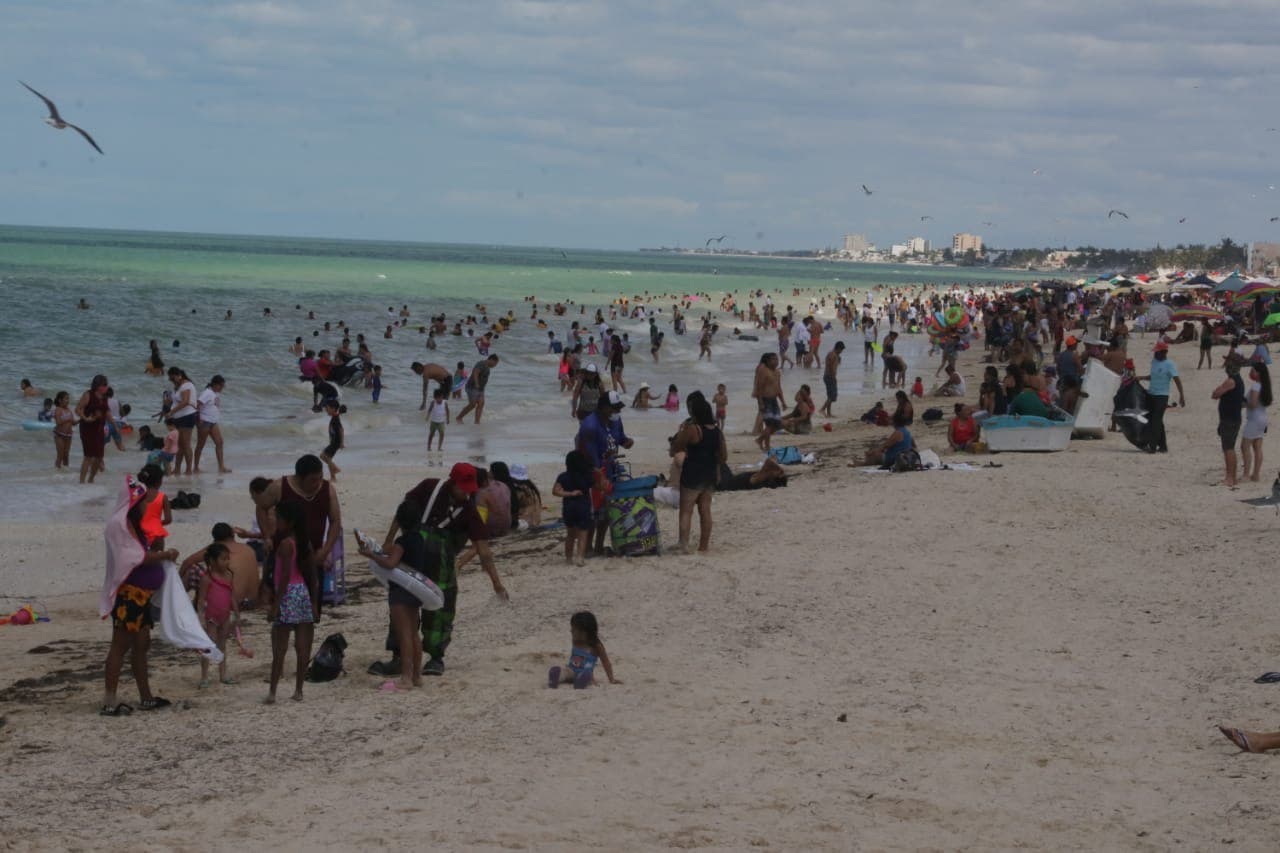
[[155, 703], [1237, 737], [1267, 678], [553, 677], [121, 710], [582, 681], [390, 687]]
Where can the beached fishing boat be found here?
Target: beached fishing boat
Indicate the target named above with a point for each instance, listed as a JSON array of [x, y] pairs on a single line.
[[1026, 434]]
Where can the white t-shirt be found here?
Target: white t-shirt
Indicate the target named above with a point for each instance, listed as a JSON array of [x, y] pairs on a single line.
[[210, 406], [183, 411], [436, 413]]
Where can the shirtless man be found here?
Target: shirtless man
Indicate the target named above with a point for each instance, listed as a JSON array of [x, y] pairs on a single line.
[[831, 364], [430, 372], [475, 386], [244, 564], [767, 389], [1115, 357]]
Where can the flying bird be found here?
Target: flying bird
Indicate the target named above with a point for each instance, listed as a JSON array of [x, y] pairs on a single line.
[[923, 218], [1275, 219], [1112, 213], [563, 255], [989, 224], [56, 121], [865, 190], [1182, 220], [1036, 172], [716, 240]]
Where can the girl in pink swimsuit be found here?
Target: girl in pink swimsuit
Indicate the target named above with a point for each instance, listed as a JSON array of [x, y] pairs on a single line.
[[216, 605]]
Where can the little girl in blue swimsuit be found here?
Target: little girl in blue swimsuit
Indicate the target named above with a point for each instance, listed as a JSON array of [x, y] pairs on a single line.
[[587, 650]]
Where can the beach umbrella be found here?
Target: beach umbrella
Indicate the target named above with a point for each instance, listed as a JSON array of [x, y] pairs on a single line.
[[1195, 313], [1158, 316], [1231, 284], [1257, 288], [1023, 293], [1272, 320]]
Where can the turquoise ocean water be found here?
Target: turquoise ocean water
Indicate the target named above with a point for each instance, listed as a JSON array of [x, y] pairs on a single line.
[[173, 286]]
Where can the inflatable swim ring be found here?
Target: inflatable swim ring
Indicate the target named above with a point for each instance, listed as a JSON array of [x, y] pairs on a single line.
[[953, 315], [33, 425], [412, 581]]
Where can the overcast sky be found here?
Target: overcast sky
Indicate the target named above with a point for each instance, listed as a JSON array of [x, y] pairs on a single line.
[[627, 124]]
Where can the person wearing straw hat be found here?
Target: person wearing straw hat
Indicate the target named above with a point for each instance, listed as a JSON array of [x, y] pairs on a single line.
[[643, 398]]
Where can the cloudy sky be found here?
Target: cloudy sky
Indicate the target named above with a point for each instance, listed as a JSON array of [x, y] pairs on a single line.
[[627, 124]]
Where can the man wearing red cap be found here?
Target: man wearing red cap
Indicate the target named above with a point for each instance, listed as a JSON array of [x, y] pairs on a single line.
[[449, 519], [1163, 371]]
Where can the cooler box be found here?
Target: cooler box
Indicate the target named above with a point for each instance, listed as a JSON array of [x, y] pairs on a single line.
[[633, 517]]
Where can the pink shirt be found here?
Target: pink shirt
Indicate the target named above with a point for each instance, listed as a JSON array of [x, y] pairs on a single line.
[[171, 442]]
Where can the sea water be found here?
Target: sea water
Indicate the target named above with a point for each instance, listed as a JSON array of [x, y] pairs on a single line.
[[177, 289]]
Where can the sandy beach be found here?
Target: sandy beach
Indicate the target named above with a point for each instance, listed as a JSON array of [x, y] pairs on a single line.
[[1031, 655]]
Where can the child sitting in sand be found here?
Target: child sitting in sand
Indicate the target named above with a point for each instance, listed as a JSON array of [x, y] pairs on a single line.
[[643, 398], [587, 650], [673, 399], [721, 402], [163, 457], [963, 431], [216, 604], [917, 388]]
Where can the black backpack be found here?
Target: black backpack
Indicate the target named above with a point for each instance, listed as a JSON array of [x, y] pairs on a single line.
[[327, 664], [908, 460]]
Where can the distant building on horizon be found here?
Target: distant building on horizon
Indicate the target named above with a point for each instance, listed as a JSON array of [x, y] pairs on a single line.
[[897, 250], [1264, 258], [856, 244], [918, 246], [962, 243]]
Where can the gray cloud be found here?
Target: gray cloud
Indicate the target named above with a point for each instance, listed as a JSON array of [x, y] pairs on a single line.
[[622, 122]]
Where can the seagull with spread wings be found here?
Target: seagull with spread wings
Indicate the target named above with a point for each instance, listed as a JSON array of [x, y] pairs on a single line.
[[1112, 213], [923, 218], [865, 190], [716, 240], [56, 121]]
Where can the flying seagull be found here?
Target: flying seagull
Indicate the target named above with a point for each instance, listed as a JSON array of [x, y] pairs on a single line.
[[923, 218], [1112, 213], [865, 190], [56, 121], [563, 255], [1036, 172], [716, 240], [1275, 219], [989, 224], [1182, 220]]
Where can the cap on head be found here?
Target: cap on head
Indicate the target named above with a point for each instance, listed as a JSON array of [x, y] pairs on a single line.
[[591, 368], [1161, 346], [519, 471], [1071, 340], [463, 475], [616, 401]]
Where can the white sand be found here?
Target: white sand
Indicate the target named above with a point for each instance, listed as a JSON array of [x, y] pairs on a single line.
[[1028, 656]]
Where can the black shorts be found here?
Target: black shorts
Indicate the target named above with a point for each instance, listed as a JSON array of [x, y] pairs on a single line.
[[830, 383], [330, 451], [1229, 431], [397, 594], [868, 346], [578, 518], [186, 421]]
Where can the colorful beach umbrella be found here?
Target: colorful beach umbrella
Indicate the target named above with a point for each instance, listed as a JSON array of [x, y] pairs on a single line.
[[1196, 312], [1257, 288]]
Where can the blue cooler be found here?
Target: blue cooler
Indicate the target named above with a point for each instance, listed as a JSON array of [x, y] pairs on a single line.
[[633, 517]]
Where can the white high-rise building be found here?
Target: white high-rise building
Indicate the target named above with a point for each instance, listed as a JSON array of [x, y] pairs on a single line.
[[918, 246], [856, 243]]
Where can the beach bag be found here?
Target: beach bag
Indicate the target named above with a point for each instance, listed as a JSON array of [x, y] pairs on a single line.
[[931, 415], [185, 500], [908, 460], [633, 518], [789, 455], [327, 664]]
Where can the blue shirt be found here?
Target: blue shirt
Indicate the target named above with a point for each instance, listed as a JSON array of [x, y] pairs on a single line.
[[600, 441], [1162, 373]]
